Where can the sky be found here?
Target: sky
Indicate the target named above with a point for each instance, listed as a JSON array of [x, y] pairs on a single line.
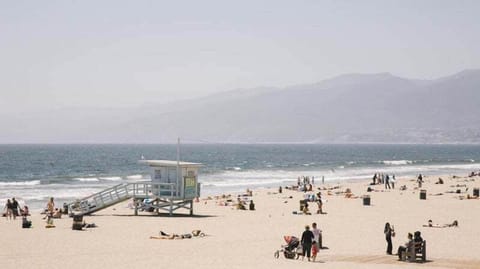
[[114, 54]]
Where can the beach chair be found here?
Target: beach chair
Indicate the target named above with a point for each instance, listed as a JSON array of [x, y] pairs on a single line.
[[417, 251]]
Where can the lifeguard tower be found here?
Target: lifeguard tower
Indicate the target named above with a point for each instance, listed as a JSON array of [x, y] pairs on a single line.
[[174, 185]]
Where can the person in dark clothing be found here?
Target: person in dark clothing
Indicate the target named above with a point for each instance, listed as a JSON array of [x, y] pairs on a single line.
[[417, 238], [420, 180], [307, 239], [387, 182], [15, 207], [388, 236]]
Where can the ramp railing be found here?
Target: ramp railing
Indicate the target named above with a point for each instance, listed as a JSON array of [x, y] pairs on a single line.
[[120, 193]]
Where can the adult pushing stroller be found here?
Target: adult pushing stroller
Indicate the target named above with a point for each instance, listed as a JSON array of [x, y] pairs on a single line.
[[290, 249]]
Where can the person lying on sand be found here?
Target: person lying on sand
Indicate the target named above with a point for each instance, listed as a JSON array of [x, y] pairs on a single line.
[[431, 225], [163, 235]]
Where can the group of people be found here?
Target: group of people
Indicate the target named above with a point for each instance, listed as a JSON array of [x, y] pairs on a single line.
[[316, 198], [311, 242], [305, 183], [380, 178], [413, 239], [12, 209]]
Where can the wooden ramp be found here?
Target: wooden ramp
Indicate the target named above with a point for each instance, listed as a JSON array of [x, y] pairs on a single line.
[[164, 196]]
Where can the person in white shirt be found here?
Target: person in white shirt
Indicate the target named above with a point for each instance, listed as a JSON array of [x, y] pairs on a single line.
[[317, 233]]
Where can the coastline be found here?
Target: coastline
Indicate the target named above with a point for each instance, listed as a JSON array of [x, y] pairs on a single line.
[[234, 238]]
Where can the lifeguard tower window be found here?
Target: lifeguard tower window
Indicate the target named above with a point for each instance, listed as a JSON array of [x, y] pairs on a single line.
[[158, 175], [172, 175]]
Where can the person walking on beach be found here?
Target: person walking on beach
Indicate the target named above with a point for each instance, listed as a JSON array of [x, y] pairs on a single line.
[[8, 208], [15, 208], [317, 233], [307, 239], [314, 250], [388, 231], [387, 182], [50, 207], [393, 180], [420, 180]]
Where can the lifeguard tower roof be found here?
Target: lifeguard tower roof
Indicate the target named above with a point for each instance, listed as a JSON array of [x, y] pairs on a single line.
[[166, 163]]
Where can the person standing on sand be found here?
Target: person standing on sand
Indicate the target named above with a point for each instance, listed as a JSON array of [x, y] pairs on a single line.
[[387, 182], [393, 180], [307, 239], [15, 208], [388, 236], [317, 233], [8, 208], [420, 180], [50, 207]]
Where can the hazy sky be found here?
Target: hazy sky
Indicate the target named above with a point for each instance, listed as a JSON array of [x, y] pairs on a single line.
[[123, 53]]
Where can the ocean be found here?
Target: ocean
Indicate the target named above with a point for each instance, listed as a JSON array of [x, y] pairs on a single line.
[[33, 173]]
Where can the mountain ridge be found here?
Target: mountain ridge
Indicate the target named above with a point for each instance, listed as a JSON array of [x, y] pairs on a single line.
[[351, 108]]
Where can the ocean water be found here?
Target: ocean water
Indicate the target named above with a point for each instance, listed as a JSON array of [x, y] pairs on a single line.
[[32, 173]]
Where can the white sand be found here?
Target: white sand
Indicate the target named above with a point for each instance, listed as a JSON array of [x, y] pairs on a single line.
[[247, 239]]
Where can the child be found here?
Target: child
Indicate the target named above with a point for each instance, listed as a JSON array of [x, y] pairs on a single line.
[[314, 250]]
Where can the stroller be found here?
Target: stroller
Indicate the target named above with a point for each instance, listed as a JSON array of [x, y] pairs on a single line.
[[290, 250]]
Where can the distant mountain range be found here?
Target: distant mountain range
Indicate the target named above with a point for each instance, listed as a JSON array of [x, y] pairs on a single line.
[[353, 108]]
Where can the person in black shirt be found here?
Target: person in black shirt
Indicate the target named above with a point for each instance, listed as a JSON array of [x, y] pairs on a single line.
[[15, 207], [388, 231], [307, 239]]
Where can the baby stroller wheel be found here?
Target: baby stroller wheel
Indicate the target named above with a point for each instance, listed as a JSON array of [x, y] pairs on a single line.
[[276, 254]]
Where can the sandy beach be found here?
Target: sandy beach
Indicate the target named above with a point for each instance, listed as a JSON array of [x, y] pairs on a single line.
[[352, 232]]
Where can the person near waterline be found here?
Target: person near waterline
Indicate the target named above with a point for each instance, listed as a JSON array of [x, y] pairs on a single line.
[[393, 180]]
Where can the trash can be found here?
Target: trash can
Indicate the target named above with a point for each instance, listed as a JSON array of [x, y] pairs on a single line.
[[77, 222], [423, 194], [366, 200], [476, 192]]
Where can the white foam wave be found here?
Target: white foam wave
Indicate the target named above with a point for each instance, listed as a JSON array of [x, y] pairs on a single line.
[[135, 177], [21, 183], [397, 162], [233, 168], [238, 179], [86, 179], [111, 178]]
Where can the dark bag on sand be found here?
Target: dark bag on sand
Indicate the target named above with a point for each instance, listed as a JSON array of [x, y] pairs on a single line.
[[26, 223]]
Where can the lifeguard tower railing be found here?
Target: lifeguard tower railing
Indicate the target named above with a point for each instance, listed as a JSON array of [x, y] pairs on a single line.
[[163, 196]]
